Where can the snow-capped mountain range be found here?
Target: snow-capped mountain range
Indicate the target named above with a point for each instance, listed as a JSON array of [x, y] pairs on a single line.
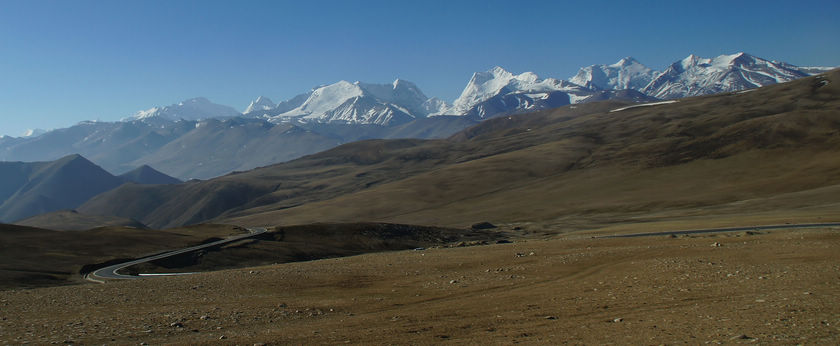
[[197, 138], [525, 91], [497, 91], [694, 76]]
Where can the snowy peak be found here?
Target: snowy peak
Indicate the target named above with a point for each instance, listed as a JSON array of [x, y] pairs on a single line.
[[688, 62], [498, 91], [495, 81], [192, 109], [627, 73], [326, 98], [694, 75], [262, 103], [361, 103], [628, 61]]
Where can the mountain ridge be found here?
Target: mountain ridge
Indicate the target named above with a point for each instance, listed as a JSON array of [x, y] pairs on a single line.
[[692, 75], [170, 137]]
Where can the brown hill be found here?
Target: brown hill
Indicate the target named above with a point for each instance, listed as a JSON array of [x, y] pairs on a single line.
[[567, 166]]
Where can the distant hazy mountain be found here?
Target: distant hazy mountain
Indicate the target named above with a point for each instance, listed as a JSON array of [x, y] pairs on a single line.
[[33, 133], [193, 109], [113, 145], [36, 188], [215, 147], [33, 188], [208, 148], [261, 104]]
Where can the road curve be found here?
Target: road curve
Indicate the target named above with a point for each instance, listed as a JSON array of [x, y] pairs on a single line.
[[110, 272], [727, 229]]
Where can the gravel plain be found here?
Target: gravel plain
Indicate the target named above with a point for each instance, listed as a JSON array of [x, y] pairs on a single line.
[[775, 287]]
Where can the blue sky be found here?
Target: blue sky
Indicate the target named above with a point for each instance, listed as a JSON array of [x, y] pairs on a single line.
[[62, 62]]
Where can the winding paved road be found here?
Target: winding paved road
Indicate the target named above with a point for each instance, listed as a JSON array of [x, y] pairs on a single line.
[[728, 229], [110, 272]]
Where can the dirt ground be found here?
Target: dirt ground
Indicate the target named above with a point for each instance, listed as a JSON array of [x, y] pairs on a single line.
[[778, 287]]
